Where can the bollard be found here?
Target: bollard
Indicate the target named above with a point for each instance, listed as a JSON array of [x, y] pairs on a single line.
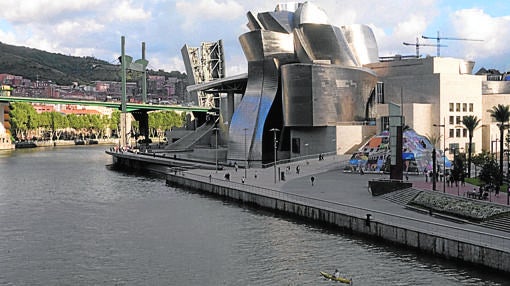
[[367, 221]]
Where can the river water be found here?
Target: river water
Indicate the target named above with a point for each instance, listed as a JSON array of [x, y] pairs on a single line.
[[68, 218]]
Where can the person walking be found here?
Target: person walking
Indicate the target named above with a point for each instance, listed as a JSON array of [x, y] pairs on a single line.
[[312, 179]]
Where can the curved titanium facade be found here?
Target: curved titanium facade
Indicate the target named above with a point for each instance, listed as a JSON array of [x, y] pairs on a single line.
[[323, 42], [336, 94], [302, 73], [261, 48], [362, 42]]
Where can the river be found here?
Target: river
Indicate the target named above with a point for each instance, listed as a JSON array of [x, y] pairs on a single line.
[[68, 218]]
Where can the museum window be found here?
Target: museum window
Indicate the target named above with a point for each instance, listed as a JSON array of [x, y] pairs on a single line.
[[464, 132], [451, 120], [457, 133], [451, 106], [458, 121], [379, 92], [464, 107], [452, 133], [385, 123], [457, 107], [470, 107]]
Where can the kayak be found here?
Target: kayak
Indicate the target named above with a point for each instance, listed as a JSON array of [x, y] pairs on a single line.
[[339, 279]]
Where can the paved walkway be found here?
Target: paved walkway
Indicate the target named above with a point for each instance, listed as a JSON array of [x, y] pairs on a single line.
[[266, 177], [349, 191], [331, 184]]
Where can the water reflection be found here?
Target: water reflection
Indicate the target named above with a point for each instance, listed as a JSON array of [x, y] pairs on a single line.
[[67, 218]]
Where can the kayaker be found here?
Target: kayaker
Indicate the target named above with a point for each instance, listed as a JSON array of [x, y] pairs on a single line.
[[336, 274]]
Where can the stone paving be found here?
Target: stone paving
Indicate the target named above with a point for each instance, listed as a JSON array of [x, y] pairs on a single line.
[[333, 184]]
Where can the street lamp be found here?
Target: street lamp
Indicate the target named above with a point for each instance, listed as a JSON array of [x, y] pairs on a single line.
[[245, 154], [216, 148], [444, 152], [274, 130]]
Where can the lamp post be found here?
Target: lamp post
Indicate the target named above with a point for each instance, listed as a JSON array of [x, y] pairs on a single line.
[[245, 155], [274, 130], [444, 152], [216, 148]]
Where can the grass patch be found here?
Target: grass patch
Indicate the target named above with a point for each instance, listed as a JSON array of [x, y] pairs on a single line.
[[477, 182]]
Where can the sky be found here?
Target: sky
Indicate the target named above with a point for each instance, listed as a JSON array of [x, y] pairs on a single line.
[[94, 27]]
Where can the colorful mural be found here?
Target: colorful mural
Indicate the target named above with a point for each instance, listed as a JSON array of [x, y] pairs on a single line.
[[374, 155]]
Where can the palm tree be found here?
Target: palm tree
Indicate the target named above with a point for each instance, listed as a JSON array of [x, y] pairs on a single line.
[[470, 122], [501, 114]]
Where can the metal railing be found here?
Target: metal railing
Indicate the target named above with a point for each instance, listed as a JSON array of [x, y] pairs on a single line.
[[432, 228]]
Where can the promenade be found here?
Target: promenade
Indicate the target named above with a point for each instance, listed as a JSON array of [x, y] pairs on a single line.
[[331, 184]]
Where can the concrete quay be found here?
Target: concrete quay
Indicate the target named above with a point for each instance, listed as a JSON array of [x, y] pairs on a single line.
[[343, 200]]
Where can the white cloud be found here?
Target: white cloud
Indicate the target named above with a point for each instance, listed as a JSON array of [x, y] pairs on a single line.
[[195, 12], [78, 27], [43, 10], [126, 12], [475, 24], [166, 62], [73, 28]]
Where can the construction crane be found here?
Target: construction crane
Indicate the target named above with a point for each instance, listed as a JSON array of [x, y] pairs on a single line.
[[438, 39], [418, 45]]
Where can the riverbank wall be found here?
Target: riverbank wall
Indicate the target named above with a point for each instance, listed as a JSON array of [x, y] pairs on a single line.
[[355, 220]]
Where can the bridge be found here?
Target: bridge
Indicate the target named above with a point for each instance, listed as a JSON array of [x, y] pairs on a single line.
[[130, 107]]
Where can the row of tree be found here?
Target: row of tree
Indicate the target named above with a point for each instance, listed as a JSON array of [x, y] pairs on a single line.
[[501, 114], [26, 123]]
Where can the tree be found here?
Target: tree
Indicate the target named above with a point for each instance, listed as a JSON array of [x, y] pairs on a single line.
[[490, 172], [23, 118], [470, 122], [501, 114]]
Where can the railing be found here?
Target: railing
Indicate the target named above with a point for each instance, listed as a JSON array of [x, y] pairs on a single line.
[[432, 228], [298, 159]]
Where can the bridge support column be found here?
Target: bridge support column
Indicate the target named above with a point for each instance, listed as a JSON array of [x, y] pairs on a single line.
[[125, 128], [143, 123]]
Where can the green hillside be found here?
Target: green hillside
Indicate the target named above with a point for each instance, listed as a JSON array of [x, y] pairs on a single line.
[[63, 70]]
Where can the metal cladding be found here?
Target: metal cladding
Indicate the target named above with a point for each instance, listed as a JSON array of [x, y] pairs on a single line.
[[262, 44], [324, 101], [362, 42], [308, 13], [302, 72], [323, 42]]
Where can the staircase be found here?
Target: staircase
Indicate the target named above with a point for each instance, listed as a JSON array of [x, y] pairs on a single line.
[[189, 140], [501, 223], [402, 197]]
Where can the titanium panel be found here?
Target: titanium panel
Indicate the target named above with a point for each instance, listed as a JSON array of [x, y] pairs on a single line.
[[323, 95], [260, 44], [264, 51], [308, 13], [323, 42], [253, 23], [281, 22], [362, 42]]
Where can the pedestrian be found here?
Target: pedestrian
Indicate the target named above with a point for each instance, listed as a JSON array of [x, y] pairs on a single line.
[[242, 180], [426, 177], [312, 179], [407, 177], [297, 169], [235, 166], [255, 175], [210, 178]]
